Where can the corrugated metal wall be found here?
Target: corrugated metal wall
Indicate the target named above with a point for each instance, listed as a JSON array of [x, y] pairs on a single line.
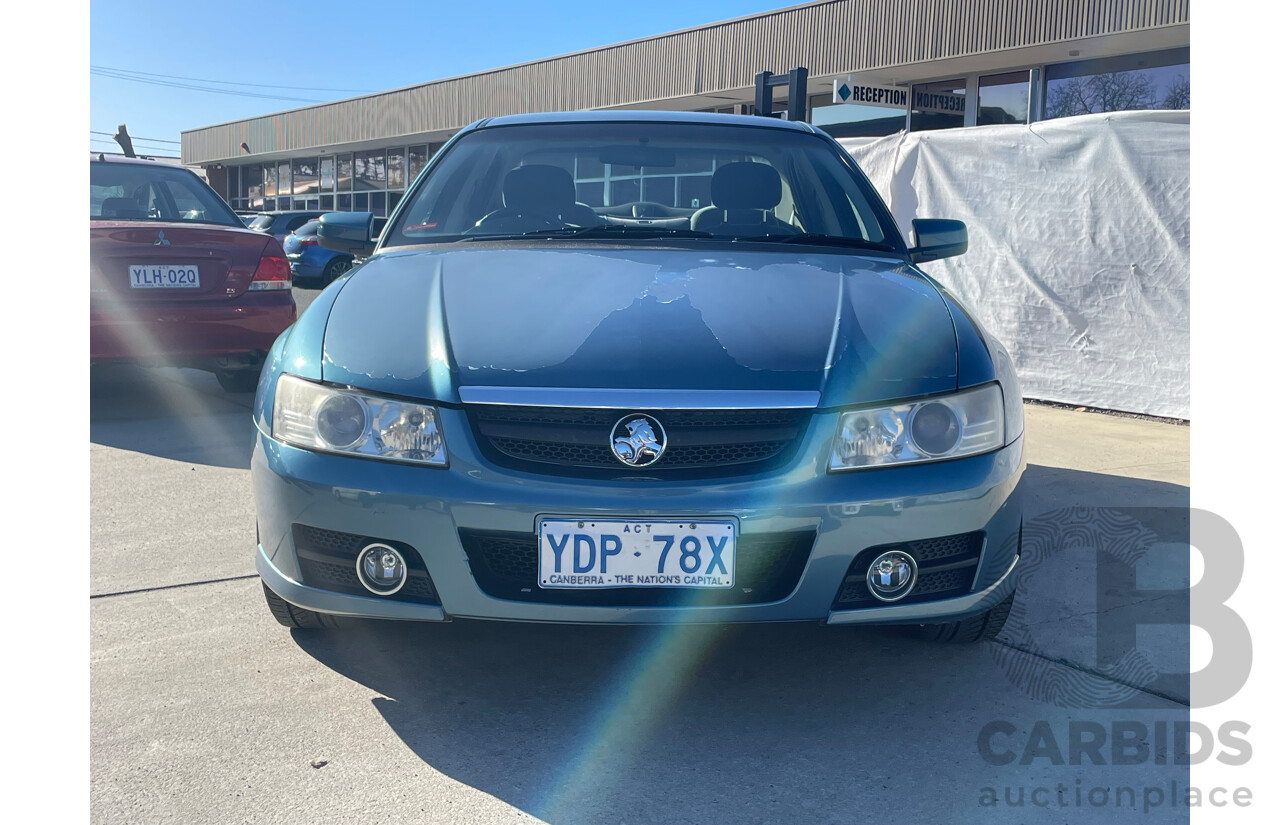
[[828, 38]]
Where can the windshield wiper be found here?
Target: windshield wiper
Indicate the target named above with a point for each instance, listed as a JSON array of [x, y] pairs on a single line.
[[814, 239], [618, 229]]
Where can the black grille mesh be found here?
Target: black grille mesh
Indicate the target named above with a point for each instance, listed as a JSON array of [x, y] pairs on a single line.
[[570, 438], [327, 559], [767, 567], [947, 566]]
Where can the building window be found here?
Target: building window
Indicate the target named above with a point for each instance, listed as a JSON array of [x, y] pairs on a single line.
[[854, 119], [370, 171], [1154, 80], [251, 185], [1002, 98], [687, 184], [395, 169], [306, 176], [233, 183], [417, 161], [345, 174], [285, 186], [326, 175], [937, 105], [269, 181]]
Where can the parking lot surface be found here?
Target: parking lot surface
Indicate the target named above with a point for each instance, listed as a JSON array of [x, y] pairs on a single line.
[[203, 709]]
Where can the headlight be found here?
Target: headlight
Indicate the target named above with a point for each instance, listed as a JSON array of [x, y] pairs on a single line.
[[333, 420], [950, 426]]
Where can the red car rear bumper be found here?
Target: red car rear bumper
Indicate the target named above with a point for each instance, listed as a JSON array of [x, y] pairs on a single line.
[[187, 334]]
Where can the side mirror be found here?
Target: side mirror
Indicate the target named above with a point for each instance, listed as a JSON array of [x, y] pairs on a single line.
[[936, 238], [349, 232]]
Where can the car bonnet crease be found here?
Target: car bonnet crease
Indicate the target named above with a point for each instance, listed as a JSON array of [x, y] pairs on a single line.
[[855, 329]]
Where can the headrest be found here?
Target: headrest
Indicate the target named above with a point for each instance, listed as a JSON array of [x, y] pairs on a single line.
[[745, 185], [531, 187], [122, 208]]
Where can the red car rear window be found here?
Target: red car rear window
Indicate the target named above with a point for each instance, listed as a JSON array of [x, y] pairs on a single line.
[[146, 192]]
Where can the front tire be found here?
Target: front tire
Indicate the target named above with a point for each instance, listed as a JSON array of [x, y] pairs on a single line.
[[290, 615], [984, 626]]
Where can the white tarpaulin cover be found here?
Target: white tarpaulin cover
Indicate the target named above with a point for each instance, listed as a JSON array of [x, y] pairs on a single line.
[[1079, 246]]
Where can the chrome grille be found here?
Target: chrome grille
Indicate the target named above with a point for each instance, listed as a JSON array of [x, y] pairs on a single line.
[[569, 439]]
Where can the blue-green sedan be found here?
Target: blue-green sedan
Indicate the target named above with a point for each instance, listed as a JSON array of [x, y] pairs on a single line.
[[641, 368]]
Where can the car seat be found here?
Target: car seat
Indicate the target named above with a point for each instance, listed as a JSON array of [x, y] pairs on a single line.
[[536, 194], [122, 208], [743, 195]]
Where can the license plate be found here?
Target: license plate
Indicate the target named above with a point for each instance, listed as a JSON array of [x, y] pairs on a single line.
[[164, 276], [597, 554]]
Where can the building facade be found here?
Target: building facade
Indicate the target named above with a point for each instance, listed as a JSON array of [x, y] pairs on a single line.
[[875, 67]]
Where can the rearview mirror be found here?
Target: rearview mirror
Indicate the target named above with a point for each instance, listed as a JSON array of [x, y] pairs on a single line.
[[349, 232], [936, 238]]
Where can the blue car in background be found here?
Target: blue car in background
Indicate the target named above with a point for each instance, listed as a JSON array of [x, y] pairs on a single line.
[[533, 404], [313, 263]]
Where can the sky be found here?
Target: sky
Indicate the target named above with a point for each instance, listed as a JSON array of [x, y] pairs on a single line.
[[321, 51]]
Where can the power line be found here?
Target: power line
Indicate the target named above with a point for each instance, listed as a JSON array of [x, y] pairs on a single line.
[[135, 140], [201, 88], [146, 148], [230, 82], [152, 140]]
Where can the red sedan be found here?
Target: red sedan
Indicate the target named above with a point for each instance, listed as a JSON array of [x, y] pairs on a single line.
[[175, 277]]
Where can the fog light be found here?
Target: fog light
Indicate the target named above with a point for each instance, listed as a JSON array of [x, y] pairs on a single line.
[[381, 569], [892, 575]]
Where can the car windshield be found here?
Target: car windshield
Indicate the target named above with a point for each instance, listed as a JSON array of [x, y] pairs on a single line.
[[610, 181], [146, 192], [262, 223]]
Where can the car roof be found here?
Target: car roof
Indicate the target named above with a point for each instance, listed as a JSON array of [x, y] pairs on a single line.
[[639, 116]]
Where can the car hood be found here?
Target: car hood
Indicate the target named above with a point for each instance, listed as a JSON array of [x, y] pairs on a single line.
[[425, 323]]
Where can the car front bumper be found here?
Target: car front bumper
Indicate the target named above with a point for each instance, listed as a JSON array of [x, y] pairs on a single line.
[[427, 507]]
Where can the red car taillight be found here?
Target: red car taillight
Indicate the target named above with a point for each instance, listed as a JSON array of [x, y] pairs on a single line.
[[272, 273], [308, 241]]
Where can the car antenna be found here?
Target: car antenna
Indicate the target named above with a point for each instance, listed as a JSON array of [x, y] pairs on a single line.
[[126, 143]]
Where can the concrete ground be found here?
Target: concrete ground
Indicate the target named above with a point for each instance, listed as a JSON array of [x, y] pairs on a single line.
[[204, 710]]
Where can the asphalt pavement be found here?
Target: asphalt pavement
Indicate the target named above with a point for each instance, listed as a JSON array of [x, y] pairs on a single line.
[[204, 710]]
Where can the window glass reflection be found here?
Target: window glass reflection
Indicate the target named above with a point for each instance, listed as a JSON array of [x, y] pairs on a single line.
[[1163, 87], [285, 185], [417, 161], [345, 173], [937, 105], [269, 181], [306, 176], [370, 171], [395, 169], [1002, 98], [326, 174]]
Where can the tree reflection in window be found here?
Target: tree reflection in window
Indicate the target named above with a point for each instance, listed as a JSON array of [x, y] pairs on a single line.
[[1167, 87]]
